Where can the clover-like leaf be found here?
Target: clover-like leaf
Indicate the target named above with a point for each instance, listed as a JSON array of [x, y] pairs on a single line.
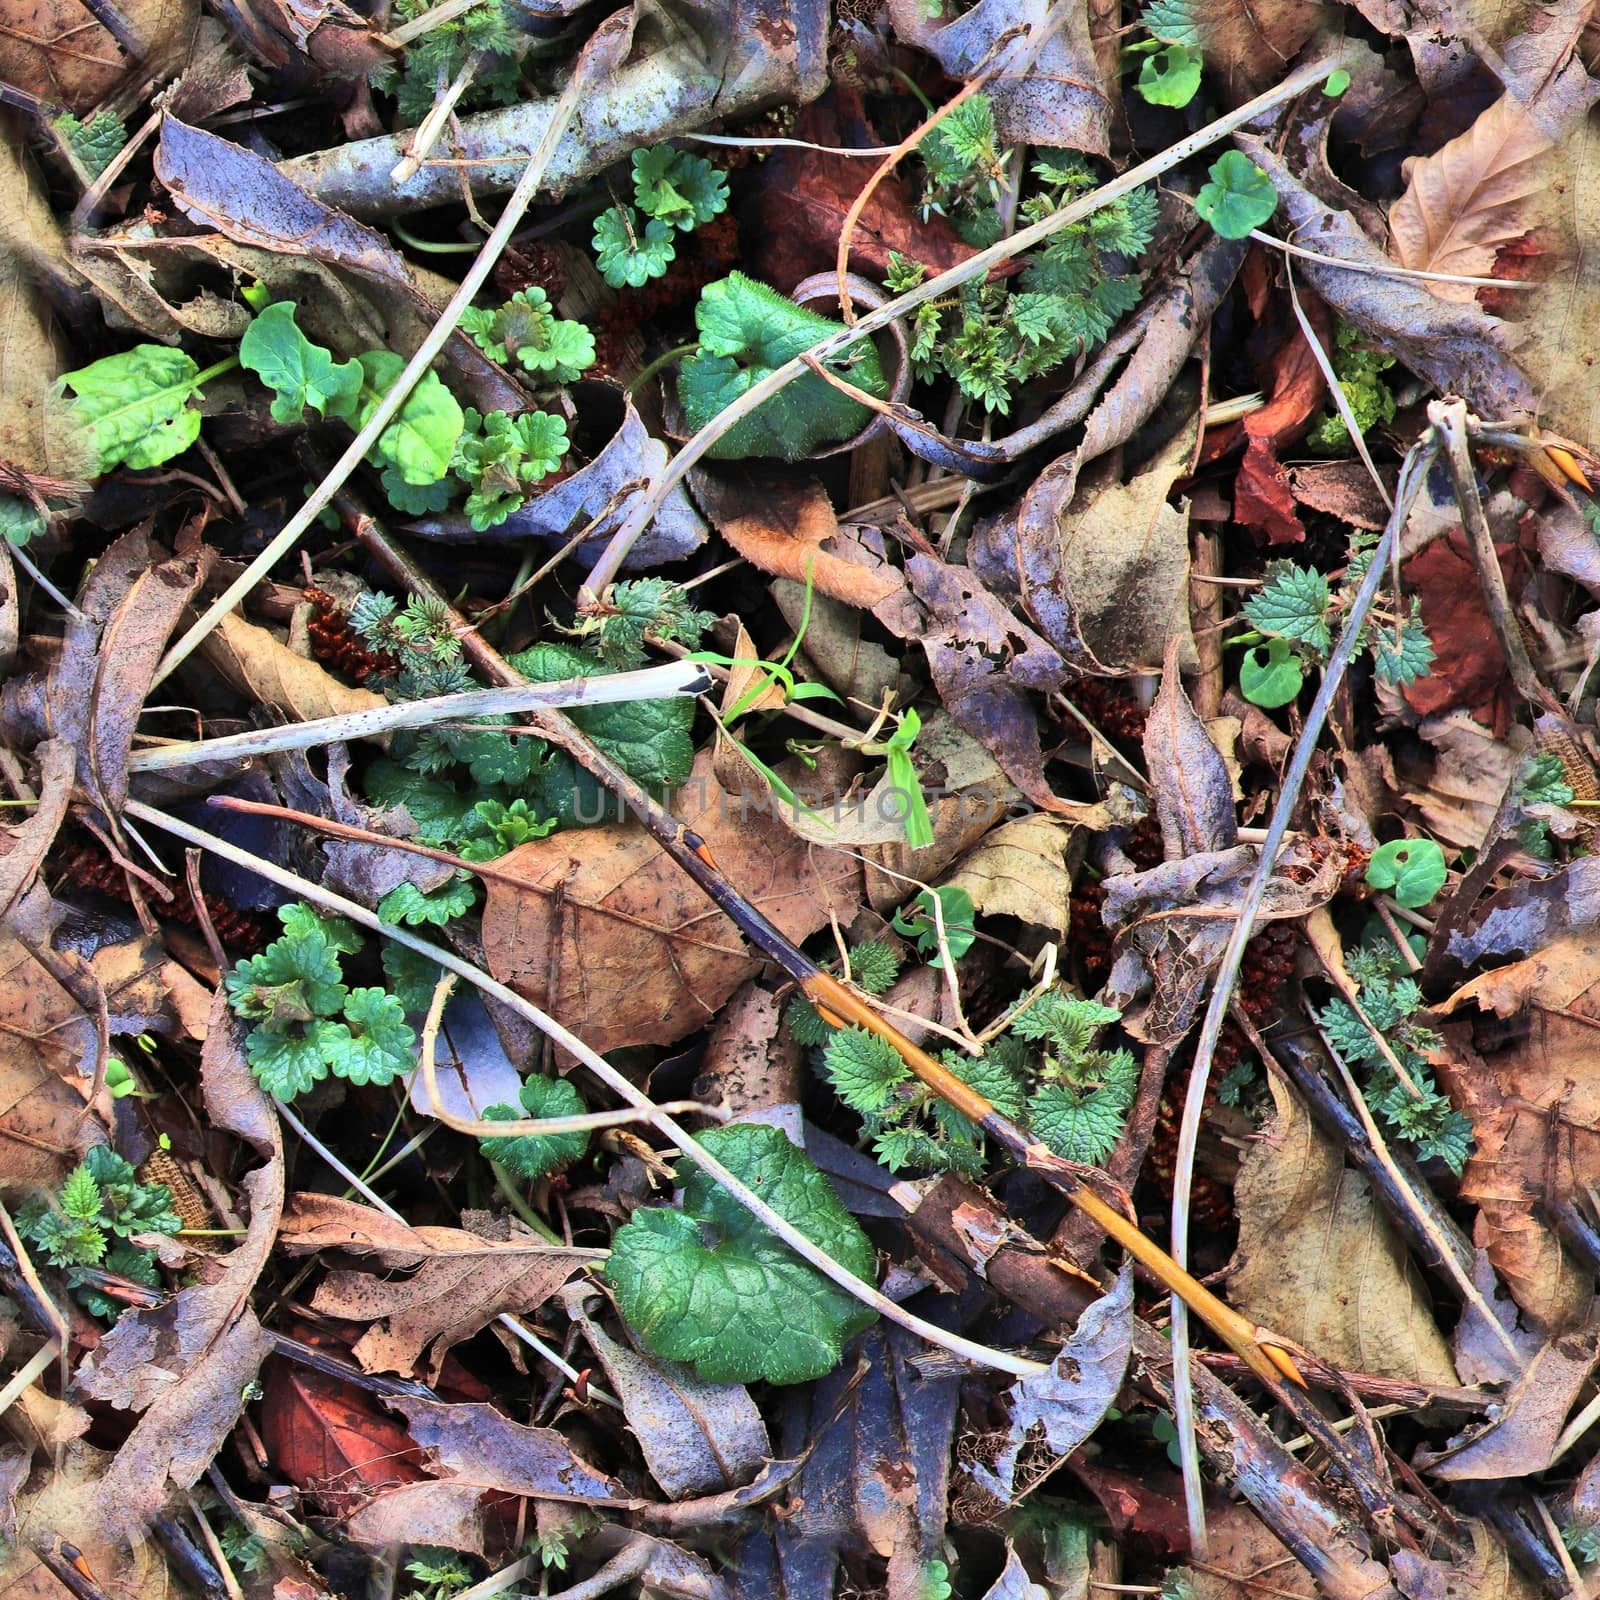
[[532, 1155], [135, 405], [1412, 870], [1238, 196], [747, 330], [712, 1286], [630, 249], [299, 373]]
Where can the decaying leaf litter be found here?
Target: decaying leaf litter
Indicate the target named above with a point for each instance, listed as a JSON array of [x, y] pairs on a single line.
[[1023, 577]]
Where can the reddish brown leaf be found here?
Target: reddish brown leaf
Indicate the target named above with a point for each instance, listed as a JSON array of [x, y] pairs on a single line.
[[1469, 667], [804, 195], [1262, 498]]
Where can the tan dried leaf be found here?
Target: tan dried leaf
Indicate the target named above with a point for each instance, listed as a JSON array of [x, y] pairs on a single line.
[[1471, 196], [1317, 1261], [610, 936], [1020, 870], [461, 1284], [254, 662], [62, 52]]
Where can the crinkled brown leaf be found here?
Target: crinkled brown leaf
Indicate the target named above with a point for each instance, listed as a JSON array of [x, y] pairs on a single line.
[[612, 938], [1021, 870], [62, 52], [461, 1284], [1069, 1401], [254, 663], [1319, 1262], [1471, 196], [1193, 790], [697, 1437]]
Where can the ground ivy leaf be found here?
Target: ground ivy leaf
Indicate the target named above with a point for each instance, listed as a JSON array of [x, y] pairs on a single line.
[[649, 739], [1412, 870], [299, 372], [421, 439], [136, 405], [742, 1306], [1238, 196], [747, 330], [532, 1155]]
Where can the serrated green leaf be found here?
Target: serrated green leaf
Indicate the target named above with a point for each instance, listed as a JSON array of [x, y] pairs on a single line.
[[135, 405], [1294, 603], [377, 1045], [80, 1195], [1413, 870], [1077, 1128], [406, 905], [679, 188], [532, 1155], [649, 739], [287, 1064], [97, 142], [1173, 22], [631, 250], [1237, 197], [743, 1307], [873, 966], [1406, 659], [299, 373], [864, 1069], [301, 921], [747, 331], [412, 977]]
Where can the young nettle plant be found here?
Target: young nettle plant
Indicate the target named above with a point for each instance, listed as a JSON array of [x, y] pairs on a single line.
[[1390, 997], [1046, 1072], [304, 1022], [989, 337], [486, 35], [1295, 615], [673, 193], [91, 1220]]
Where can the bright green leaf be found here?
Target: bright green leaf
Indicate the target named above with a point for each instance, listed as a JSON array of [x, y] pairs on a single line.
[[136, 405], [630, 250], [1272, 677], [532, 1155], [299, 372], [1171, 77], [747, 331], [712, 1286], [1238, 197], [419, 442], [1413, 870]]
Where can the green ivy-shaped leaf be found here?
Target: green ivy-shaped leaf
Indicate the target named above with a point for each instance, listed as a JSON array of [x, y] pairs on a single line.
[[1272, 677], [407, 905], [299, 373], [1238, 197], [712, 1286], [378, 1045], [1412, 870], [1173, 22], [747, 330], [135, 405], [532, 1155], [420, 441], [1170, 77]]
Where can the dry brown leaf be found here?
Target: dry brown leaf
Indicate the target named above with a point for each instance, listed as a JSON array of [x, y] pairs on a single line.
[[613, 939], [1021, 870], [188, 1363], [1317, 1261], [255, 663], [1252, 43], [779, 520], [1124, 562], [462, 1281], [60, 51], [1535, 1111], [1246, 1561], [1488, 1574], [1471, 196]]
